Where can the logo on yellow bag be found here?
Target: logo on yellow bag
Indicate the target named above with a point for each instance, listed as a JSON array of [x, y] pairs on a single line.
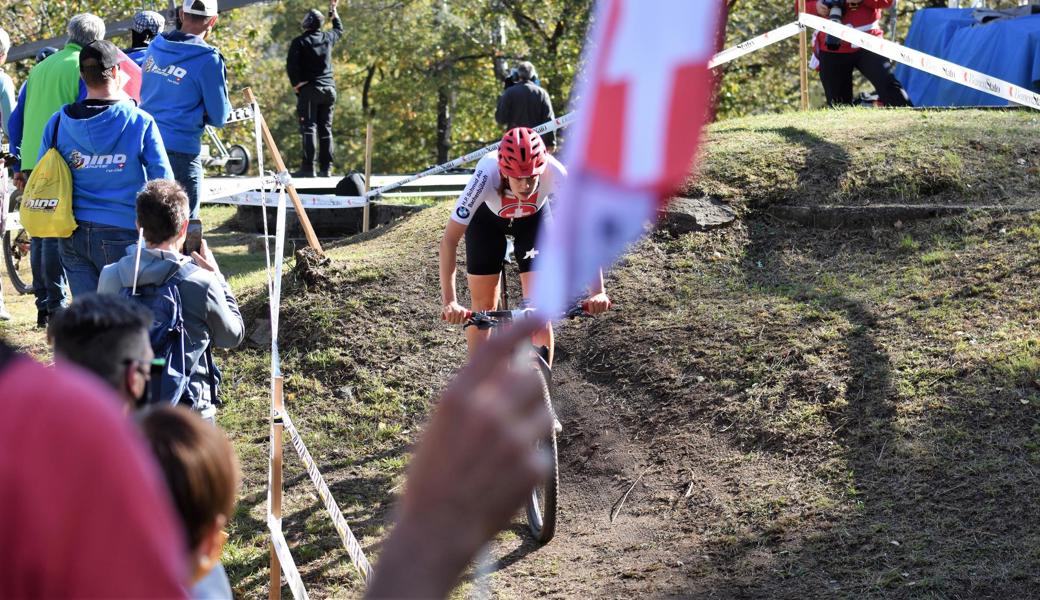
[[41, 204]]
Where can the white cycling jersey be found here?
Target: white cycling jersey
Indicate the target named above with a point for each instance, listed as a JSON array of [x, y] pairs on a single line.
[[483, 189]]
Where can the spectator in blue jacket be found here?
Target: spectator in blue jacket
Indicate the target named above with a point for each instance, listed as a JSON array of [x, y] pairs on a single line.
[[184, 86], [146, 26], [113, 148]]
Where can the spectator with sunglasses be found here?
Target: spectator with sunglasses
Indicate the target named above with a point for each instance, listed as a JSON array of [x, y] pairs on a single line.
[[107, 336]]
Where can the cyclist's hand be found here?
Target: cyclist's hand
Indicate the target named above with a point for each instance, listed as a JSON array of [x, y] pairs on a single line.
[[472, 470], [596, 304], [455, 313], [20, 180]]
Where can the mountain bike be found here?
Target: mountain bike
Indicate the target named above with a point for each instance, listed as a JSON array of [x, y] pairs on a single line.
[[542, 504]]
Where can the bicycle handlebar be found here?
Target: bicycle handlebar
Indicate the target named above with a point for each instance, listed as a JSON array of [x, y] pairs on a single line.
[[487, 319]]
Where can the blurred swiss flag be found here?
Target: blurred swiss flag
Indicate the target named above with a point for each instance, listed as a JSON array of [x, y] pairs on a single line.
[[130, 75], [642, 109]]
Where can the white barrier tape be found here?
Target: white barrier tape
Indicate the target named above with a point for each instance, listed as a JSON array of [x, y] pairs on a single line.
[[472, 156], [721, 58], [223, 187], [285, 559], [276, 296], [756, 43], [350, 542], [925, 62]]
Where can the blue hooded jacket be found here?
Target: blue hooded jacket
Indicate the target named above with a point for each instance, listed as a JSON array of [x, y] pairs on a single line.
[[184, 86], [111, 156]]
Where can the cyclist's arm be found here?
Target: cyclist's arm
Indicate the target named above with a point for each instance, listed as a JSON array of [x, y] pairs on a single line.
[[448, 256]]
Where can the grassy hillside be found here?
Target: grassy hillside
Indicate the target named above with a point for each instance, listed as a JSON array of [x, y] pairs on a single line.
[[808, 413], [862, 157]]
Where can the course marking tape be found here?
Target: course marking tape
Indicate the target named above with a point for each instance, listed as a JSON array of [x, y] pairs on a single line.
[[925, 62], [281, 548], [755, 43], [546, 127], [350, 542]]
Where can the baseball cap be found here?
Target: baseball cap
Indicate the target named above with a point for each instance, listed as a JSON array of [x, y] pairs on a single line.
[[148, 21], [100, 53], [205, 8]]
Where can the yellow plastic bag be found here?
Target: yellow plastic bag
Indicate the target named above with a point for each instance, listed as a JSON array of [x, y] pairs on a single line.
[[46, 209]]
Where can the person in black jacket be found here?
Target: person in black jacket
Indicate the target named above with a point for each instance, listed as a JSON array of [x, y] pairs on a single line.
[[525, 104], [309, 65]]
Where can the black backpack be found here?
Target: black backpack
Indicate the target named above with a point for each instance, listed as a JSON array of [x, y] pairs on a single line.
[[351, 185]]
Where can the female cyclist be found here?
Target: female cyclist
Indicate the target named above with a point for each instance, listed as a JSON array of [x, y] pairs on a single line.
[[506, 196]]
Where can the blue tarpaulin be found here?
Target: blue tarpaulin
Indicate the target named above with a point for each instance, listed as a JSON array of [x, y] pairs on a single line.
[[1008, 49]]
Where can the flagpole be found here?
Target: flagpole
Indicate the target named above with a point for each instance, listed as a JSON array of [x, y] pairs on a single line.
[[803, 68]]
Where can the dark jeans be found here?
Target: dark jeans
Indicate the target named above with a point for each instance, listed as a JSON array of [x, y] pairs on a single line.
[[314, 106], [89, 249], [836, 76], [187, 170], [49, 284]]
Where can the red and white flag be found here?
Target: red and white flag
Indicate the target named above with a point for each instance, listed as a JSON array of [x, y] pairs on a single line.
[[646, 98], [130, 77]]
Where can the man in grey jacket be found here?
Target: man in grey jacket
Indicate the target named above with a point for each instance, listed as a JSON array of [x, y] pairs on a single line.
[[211, 314]]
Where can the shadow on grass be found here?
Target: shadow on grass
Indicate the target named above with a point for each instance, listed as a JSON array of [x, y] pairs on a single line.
[[939, 464]]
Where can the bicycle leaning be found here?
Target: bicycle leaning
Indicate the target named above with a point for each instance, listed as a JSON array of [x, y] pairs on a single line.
[[16, 241]]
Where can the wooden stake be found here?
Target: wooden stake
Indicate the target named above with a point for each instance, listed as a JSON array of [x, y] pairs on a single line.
[[368, 174], [301, 214], [277, 407], [803, 68]]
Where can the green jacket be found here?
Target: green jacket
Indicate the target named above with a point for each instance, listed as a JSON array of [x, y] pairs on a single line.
[[51, 85]]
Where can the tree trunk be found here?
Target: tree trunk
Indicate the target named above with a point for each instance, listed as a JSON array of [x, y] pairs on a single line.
[[445, 108]]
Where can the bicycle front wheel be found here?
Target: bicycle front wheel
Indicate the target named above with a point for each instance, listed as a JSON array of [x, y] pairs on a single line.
[[541, 506]]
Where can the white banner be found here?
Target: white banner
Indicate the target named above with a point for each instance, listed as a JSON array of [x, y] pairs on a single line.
[[925, 62]]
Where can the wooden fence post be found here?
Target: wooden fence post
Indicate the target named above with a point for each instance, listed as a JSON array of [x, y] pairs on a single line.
[[277, 408], [368, 174], [301, 214], [803, 68]]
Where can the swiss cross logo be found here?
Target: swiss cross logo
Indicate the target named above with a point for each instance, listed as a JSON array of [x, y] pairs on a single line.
[[513, 208]]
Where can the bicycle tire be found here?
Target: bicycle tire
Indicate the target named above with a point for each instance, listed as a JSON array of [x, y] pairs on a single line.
[[542, 506], [16, 253]]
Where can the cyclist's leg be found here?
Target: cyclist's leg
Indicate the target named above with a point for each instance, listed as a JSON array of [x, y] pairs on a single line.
[[485, 247], [484, 291], [525, 233], [545, 336]]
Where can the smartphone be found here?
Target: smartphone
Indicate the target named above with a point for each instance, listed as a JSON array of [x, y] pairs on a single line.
[[156, 370], [193, 243]]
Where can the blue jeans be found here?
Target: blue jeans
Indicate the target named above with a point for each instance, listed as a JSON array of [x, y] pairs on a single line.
[[49, 284], [187, 170], [89, 249]]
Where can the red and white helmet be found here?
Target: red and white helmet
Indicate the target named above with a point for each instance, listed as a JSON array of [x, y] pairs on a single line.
[[522, 153]]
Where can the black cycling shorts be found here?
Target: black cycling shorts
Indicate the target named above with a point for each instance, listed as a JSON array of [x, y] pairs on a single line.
[[486, 241]]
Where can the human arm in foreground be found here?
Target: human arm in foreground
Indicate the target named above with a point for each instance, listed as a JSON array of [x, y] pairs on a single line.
[[473, 469]]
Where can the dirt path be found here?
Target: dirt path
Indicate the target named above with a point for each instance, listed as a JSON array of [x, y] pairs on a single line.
[[647, 548]]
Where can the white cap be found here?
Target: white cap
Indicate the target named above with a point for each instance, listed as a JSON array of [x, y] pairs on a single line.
[[205, 8]]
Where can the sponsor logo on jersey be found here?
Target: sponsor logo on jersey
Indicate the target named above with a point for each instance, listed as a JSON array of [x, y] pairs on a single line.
[[462, 212], [42, 203], [78, 160], [174, 71]]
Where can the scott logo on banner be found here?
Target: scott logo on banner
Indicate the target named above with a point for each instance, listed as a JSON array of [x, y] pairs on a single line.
[[174, 71], [78, 160], [48, 204]]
